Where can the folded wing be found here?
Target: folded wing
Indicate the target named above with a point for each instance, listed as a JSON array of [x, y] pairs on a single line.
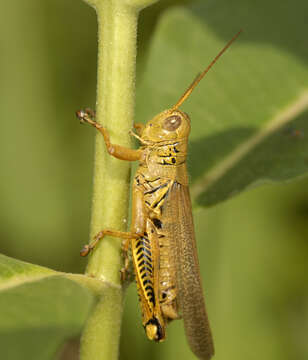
[[190, 298]]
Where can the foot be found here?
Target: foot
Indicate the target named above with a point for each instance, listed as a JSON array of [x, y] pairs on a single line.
[[86, 115]]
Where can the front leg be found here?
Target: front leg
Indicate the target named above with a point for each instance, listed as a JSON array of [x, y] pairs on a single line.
[[139, 128], [118, 151]]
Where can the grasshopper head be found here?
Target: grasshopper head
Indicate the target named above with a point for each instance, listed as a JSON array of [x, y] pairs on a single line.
[[174, 124], [168, 125]]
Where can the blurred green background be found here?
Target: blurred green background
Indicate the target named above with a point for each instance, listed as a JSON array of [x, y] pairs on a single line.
[[253, 248]]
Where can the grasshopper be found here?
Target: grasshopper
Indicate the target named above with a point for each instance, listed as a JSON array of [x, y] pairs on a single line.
[[161, 236]]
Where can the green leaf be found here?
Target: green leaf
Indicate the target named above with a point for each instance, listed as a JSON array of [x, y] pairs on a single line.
[[39, 309], [249, 114]]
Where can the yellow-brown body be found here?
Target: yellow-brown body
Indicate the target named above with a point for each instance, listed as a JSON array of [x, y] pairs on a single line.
[[162, 163], [162, 235]]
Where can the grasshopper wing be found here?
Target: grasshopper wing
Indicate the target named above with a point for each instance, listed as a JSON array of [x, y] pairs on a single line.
[[190, 298]]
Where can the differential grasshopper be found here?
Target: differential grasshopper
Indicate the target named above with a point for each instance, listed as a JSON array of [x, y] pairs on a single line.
[[161, 236]]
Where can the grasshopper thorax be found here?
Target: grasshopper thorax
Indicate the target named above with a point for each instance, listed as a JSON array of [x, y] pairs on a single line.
[[169, 125]]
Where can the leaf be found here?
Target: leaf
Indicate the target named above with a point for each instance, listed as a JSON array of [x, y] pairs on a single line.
[[39, 309], [249, 114]]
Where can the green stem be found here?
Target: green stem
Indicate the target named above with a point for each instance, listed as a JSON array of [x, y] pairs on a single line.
[[114, 109], [117, 29]]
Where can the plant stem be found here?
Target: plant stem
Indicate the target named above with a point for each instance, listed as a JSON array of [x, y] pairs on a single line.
[[114, 109], [117, 29]]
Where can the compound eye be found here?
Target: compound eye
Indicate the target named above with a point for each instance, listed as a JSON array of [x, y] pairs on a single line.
[[171, 123]]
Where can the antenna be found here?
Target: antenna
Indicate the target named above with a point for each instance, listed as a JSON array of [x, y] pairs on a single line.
[[200, 76]]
